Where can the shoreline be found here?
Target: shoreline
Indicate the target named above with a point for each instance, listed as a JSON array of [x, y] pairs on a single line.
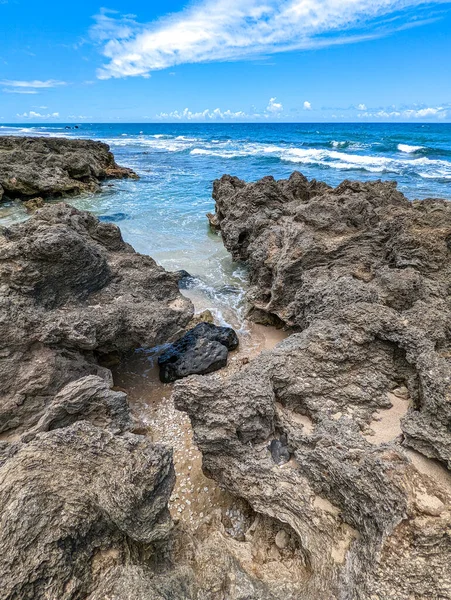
[[310, 455]]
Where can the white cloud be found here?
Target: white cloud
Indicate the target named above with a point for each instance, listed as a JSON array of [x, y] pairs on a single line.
[[361, 106], [35, 115], [206, 115], [438, 112], [307, 105], [36, 83], [13, 91], [274, 107], [218, 30]]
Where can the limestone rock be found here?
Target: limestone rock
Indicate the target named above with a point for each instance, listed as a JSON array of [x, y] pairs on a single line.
[[75, 503], [53, 167], [70, 290], [363, 277]]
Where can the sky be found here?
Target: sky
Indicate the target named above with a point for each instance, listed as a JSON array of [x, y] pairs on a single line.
[[225, 60]]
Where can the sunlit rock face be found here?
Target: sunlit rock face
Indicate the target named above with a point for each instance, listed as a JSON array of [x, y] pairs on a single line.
[[33, 167], [337, 431]]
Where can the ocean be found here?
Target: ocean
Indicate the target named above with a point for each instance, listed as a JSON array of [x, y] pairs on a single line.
[[163, 213]]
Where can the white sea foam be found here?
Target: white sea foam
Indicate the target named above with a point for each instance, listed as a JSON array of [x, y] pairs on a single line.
[[351, 158], [409, 149]]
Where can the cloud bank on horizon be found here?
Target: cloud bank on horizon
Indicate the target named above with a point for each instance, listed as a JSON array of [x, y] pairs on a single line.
[[227, 30]]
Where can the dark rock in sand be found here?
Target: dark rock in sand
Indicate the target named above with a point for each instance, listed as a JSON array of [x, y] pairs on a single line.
[[53, 167], [364, 276], [201, 350]]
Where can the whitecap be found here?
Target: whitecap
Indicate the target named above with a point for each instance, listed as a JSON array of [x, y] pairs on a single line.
[[409, 149]]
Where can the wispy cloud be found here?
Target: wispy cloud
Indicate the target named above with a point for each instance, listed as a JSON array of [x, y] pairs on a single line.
[[35, 83], [14, 91], [221, 30], [35, 115]]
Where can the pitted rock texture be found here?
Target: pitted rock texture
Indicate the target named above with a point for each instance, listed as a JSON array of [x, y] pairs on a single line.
[[72, 290], [33, 167], [81, 496], [75, 503], [363, 275]]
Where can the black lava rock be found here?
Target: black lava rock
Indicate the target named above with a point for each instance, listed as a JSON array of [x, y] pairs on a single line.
[[185, 280], [201, 350], [279, 451]]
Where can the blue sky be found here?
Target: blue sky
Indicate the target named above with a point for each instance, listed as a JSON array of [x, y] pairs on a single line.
[[225, 60]]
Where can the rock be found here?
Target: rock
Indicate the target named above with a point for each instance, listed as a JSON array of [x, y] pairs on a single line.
[[363, 277], [33, 204], [317, 253], [89, 399], [75, 503], [201, 350], [214, 222], [282, 539], [185, 280], [71, 290], [54, 167]]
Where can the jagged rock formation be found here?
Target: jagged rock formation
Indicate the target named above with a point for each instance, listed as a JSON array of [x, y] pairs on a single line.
[[80, 493], [33, 167], [75, 503], [359, 397], [71, 290]]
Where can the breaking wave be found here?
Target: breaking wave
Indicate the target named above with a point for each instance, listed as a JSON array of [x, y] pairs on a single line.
[[409, 149]]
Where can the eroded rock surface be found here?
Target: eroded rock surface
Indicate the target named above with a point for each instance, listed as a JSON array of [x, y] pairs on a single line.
[[71, 290], [33, 167], [81, 495], [75, 503], [363, 275]]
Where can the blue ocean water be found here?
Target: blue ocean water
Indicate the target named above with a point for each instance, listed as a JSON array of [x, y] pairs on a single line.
[[163, 214]]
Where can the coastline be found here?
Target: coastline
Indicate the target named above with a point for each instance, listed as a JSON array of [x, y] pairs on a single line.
[[313, 450]]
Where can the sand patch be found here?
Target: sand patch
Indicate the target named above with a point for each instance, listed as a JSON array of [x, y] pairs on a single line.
[[386, 424]]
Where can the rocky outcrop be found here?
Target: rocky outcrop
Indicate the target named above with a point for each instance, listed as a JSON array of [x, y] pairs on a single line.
[[33, 167], [336, 432], [72, 290], [75, 503], [201, 350], [81, 495]]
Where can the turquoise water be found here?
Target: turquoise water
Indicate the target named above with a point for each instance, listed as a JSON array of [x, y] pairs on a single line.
[[163, 214]]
